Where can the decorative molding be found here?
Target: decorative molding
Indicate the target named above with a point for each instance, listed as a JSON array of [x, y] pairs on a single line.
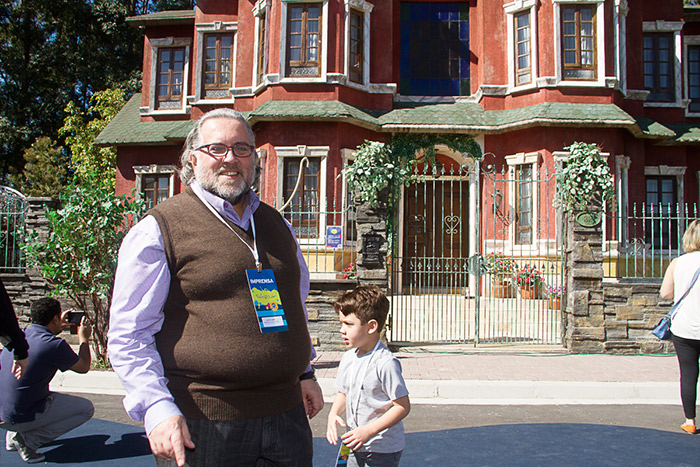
[[662, 26]]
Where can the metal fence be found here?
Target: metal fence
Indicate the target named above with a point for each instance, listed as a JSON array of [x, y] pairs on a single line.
[[13, 210], [327, 238], [641, 241]]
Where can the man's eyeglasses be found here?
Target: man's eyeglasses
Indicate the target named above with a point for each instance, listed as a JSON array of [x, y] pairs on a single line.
[[220, 150]]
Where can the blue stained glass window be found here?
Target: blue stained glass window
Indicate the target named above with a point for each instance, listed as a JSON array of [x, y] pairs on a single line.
[[434, 49]]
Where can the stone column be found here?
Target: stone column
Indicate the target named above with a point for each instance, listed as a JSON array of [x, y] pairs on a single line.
[[584, 319], [373, 244]]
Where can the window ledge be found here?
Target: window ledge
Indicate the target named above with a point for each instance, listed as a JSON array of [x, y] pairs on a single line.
[[669, 105], [192, 101], [146, 111]]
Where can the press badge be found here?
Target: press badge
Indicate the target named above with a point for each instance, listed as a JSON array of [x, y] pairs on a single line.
[[266, 300]]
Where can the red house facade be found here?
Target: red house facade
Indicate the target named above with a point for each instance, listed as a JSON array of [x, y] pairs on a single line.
[[524, 78]]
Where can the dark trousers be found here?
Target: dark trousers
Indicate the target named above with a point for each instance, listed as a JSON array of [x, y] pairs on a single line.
[[283, 440], [688, 353]]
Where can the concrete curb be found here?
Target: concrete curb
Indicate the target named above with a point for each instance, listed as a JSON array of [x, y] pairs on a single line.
[[477, 392]]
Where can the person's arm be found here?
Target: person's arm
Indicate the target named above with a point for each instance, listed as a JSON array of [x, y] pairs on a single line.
[[141, 287], [667, 286], [355, 439], [11, 335], [334, 418], [84, 357]]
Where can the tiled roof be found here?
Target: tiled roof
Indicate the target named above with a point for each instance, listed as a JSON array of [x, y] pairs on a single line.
[[469, 116], [685, 133], [163, 18], [652, 128], [313, 110], [463, 117], [127, 128]]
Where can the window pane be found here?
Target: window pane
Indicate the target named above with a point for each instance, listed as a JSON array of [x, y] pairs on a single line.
[[312, 27], [297, 12]]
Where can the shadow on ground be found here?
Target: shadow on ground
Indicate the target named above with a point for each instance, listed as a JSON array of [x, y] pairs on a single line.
[[546, 444], [103, 443], [96, 443]]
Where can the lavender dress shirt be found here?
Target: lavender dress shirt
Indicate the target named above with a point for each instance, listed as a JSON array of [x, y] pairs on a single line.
[[141, 286]]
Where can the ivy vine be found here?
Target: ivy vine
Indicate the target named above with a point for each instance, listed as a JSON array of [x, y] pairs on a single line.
[[378, 167], [586, 177]]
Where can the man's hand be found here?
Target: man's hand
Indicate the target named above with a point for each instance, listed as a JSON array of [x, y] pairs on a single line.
[[19, 366], [170, 438], [84, 331], [313, 397]]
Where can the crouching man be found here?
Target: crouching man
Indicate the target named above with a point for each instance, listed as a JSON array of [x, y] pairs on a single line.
[[31, 414]]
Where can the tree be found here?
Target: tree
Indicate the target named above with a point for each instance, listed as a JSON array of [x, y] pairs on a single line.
[[79, 257], [80, 128], [54, 52], [45, 172]]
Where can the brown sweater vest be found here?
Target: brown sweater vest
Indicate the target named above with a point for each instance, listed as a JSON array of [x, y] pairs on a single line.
[[218, 363]]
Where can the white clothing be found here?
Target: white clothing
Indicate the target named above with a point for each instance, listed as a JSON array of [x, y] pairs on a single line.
[[370, 383], [686, 322]]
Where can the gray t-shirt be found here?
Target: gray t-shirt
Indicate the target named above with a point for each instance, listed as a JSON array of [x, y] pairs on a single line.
[[370, 383]]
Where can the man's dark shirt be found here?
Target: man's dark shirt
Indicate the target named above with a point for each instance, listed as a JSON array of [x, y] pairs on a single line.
[[21, 400]]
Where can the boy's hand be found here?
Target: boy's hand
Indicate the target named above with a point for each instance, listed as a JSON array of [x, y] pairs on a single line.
[[354, 439], [331, 430]]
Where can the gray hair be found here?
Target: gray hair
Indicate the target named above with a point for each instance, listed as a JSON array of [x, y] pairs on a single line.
[[194, 139]]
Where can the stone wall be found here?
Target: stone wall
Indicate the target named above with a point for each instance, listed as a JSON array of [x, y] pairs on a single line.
[[324, 325], [607, 316], [30, 286]]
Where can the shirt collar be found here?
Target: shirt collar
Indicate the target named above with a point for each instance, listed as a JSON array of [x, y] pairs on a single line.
[[225, 208]]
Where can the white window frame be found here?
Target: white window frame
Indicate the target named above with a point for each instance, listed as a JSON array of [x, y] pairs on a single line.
[[512, 9], [213, 28], [364, 8], [310, 152], [324, 44], [600, 43], [260, 11], [154, 169], [347, 156], [674, 27], [669, 171], [513, 162], [156, 45], [687, 42]]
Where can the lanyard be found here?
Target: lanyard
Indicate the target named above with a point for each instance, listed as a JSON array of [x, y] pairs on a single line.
[[361, 381], [254, 248]]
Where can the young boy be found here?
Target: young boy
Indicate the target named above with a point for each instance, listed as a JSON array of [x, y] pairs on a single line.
[[370, 387]]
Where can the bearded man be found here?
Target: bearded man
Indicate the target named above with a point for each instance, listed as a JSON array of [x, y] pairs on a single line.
[[216, 378]]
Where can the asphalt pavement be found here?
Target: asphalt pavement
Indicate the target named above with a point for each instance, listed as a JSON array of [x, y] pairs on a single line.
[[493, 407]]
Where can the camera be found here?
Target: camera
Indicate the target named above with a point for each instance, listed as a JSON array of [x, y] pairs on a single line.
[[75, 317]]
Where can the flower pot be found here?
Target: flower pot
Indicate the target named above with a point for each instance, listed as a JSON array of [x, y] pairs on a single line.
[[529, 293], [501, 289], [555, 303]]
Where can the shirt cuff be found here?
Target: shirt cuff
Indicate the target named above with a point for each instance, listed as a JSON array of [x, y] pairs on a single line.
[[159, 412]]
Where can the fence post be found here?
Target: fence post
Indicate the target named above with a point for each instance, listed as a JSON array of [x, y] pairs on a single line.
[[372, 244], [584, 319]]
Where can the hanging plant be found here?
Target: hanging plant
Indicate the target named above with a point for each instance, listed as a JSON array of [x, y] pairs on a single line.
[[586, 178], [376, 169]]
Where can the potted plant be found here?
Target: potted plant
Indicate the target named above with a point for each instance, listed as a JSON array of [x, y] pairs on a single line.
[[555, 293], [529, 279], [501, 269]]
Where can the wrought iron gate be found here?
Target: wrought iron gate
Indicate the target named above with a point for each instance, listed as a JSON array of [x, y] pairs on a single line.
[[13, 209], [466, 241]]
